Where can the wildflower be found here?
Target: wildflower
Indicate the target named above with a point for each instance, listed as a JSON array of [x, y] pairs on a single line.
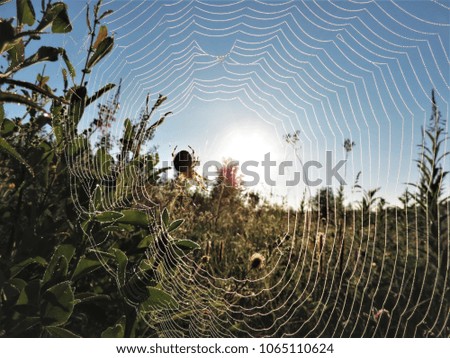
[[257, 261], [228, 174], [11, 186]]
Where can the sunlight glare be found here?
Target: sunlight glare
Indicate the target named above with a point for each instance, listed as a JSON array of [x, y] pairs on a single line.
[[247, 143]]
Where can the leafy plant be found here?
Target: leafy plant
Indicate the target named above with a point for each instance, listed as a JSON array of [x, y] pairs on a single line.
[[430, 196], [54, 269]]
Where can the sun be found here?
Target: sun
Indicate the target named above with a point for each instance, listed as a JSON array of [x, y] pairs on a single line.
[[247, 144]]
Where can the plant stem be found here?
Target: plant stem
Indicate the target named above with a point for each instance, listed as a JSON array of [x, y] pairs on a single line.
[[90, 49]]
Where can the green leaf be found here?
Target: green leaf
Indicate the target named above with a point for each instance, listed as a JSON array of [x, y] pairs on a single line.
[[134, 217], [29, 296], [25, 12], [59, 332], [108, 216], [44, 53], [106, 13], [6, 147], [58, 266], [78, 99], [8, 127], [17, 53], [60, 270], [85, 266], [104, 47], [16, 269], [112, 228], [100, 93], [102, 162], [158, 299], [8, 97], [97, 7], [124, 182], [69, 65], [78, 145], [103, 255], [122, 261], [56, 12], [65, 81], [90, 297], [61, 23], [88, 20], [47, 152], [57, 304], [7, 34], [165, 217], [187, 245], [116, 331], [175, 225], [41, 88], [39, 154], [97, 198], [128, 133], [102, 33], [58, 132], [13, 288], [146, 241]]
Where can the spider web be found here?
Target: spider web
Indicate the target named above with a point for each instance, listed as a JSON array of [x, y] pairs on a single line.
[[332, 70]]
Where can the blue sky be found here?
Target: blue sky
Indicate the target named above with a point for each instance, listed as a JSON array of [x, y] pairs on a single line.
[[241, 74]]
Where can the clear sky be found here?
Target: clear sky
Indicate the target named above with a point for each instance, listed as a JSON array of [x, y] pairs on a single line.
[[241, 74]]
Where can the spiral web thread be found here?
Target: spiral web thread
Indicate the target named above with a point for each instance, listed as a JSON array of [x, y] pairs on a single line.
[[332, 70]]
